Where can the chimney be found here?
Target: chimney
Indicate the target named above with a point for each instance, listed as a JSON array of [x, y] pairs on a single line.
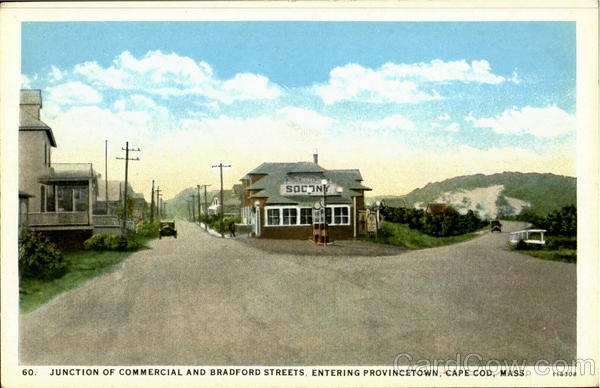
[[316, 158]]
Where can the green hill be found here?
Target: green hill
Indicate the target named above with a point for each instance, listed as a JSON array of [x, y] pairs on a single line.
[[177, 207], [507, 193]]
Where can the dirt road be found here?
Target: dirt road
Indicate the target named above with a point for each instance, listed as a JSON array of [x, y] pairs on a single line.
[[201, 300]]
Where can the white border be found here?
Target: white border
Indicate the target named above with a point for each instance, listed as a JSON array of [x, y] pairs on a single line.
[[585, 13]]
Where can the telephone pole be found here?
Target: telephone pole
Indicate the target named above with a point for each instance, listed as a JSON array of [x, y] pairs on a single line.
[[199, 217], [159, 207], [127, 159], [220, 166], [205, 206], [193, 206], [158, 192], [152, 204]]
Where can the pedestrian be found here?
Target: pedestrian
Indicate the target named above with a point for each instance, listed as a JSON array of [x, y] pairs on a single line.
[[232, 229]]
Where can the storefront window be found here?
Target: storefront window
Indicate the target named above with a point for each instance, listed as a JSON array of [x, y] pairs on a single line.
[[328, 215], [290, 216], [272, 216], [306, 216], [341, 215]]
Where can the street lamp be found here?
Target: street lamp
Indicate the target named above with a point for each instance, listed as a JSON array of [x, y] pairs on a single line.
[[378, 207], [257, 210], [325, 231]]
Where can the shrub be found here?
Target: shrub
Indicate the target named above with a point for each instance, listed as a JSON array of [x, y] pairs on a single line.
[[39, 258], [148, 229], [95, 243], [556, 242], [434, 225], [112, 243]]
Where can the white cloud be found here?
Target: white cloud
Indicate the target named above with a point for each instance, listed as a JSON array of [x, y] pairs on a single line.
[[305, 118], [55, 74], [440, 71], [400, 83], [136, 101], [540, 122], [73, 93], [454, 127], [27, 81], [444, 117], [173, 75], [356, 83], [390, 122]]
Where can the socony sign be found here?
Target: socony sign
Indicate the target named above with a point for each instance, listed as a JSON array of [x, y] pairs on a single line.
[[301, 186]]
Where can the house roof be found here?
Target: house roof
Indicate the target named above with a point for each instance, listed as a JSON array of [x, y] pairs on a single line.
[[277, 174], [440, 208], [28, 122], [230, 197], [62, 172]]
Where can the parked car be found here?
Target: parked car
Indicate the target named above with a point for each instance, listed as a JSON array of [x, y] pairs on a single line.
[[496, 226], [167, 228]]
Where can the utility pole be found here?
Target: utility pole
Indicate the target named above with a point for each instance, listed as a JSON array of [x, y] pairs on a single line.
[[158, 192], [127, 159], [152, 204], [221, 165], [199, 217], [159, 210], [106, 172], [205, 206], [193, 206]]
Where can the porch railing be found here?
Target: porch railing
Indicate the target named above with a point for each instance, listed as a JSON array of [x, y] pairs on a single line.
[[59, 218], [106, 220], [111, 221]]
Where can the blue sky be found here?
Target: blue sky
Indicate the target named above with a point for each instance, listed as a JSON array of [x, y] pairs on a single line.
[[407, 103]]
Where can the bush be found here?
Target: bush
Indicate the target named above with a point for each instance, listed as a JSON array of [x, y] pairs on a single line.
[[556, 242], [148, 229], [109, 242], [39, 258], [434, 225]]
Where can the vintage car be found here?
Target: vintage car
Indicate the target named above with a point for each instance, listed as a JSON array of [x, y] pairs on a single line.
[[496, 226], [167, 228]]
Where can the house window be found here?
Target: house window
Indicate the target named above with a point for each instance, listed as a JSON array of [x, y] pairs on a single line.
[[340, 216], [272, 216], [328, 215], [45, 154], [306, 216], [290, 216]]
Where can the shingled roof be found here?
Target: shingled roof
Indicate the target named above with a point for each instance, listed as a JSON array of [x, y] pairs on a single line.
[[277, 173]]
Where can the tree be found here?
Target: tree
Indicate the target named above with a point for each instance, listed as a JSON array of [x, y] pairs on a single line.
[[130, 209]]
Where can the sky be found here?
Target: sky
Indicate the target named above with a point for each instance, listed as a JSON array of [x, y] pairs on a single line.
[[406, 103]]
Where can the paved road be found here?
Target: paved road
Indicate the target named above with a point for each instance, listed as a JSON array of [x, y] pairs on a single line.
[[201, 300]]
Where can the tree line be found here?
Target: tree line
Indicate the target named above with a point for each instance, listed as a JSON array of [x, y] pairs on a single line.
[[562, 222], [441, 225]]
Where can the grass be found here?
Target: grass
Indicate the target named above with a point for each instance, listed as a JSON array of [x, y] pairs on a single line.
[[557, 248], [402, 236], [81, 267], [564, 255]]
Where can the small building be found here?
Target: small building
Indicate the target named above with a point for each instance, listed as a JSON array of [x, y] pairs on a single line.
[[439, 209], [286, 200], [233, 202]]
